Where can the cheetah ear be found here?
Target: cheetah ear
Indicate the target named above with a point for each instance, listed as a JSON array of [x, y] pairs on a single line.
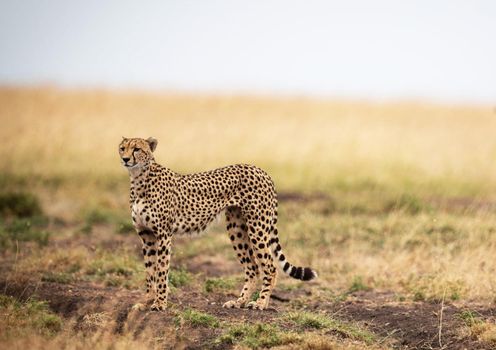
[[152, 143]]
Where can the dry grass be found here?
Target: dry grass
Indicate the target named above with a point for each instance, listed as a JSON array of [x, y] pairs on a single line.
[[407, 191], [417, 256], [68, 340], [480, 329], [52, 132]]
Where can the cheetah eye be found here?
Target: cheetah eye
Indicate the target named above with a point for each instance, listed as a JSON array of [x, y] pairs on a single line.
[[135, 149], [122, 149]]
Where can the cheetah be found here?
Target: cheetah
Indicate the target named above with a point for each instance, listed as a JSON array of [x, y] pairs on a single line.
[[164, 203]]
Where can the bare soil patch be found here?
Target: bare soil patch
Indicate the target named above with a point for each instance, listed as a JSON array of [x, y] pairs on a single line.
[[408, 325], [415, 325]]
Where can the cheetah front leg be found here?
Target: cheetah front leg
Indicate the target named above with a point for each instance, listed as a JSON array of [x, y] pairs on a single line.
[[149, 256], [236, 228], [161, 277]]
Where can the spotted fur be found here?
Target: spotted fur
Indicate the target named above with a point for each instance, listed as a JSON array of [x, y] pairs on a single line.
[[164, 203]]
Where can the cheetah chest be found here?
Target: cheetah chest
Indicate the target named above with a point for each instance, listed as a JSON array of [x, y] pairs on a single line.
[[141, 214]]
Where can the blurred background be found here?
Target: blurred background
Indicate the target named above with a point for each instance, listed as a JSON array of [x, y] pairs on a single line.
[[319, 93]]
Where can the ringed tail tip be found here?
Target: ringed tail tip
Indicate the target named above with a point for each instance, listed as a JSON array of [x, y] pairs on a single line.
[[303, 273]]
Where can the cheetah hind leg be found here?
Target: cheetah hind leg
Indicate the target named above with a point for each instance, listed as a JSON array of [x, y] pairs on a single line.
[[237, 230], [263, 300], [143, 305], [265, 259], [244, 298]]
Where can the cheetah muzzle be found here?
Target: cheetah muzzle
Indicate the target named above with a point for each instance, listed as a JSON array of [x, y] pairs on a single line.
[[164, 203]]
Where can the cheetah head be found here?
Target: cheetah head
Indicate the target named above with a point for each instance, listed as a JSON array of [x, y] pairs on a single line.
[[137, 152]]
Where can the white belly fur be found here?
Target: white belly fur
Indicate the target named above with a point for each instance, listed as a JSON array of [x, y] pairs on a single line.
[[138, 215]]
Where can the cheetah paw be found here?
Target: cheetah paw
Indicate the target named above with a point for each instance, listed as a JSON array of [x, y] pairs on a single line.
[[139, 307], [256, 305], [158, 307], [233, 304]]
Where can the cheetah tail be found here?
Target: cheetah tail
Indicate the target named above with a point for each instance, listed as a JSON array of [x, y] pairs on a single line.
[[297, 272]]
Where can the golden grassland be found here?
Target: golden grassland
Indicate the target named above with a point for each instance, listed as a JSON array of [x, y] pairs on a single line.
[[305, 143], [397, 197], [356, 151]]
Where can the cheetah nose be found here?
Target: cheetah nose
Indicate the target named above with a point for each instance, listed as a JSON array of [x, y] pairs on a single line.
[[125, 160]]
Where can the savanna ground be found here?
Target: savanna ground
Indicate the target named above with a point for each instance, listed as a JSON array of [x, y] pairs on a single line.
[[393, 204]]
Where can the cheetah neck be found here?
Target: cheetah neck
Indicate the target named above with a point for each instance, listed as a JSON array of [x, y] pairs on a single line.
[[139, 178], [139, 172]]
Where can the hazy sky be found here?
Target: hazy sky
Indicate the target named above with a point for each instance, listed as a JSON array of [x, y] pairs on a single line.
[[439, 50]]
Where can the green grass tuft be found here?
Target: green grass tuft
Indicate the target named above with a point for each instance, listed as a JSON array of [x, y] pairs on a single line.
[[179, 277], [23, 230], [470, 317], [125, 227], [19, 204], [256, 336], [116, 270], [358, 285], [308, 320], [57, 277], [98, 215], [29, 317], [197, 319], [219, 284]]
